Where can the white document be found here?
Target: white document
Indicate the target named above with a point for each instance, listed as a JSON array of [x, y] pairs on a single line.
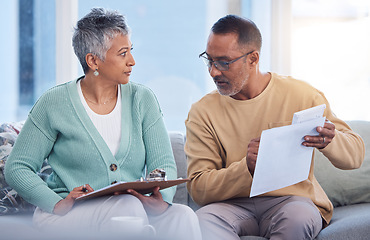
[[282, 159], [308, 114]]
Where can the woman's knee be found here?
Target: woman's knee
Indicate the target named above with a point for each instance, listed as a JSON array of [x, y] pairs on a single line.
[[126, 205], [126, 198]]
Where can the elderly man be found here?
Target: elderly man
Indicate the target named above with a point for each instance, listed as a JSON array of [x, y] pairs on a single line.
[[223, 136]]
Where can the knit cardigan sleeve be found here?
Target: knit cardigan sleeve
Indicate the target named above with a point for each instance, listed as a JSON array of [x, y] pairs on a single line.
[[32, 147]]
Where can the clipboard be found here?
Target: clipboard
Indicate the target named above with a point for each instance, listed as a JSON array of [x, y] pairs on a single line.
[[143, 187]]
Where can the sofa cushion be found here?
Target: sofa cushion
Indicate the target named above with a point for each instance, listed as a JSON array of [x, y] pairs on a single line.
[[10, 201], [345, 187], [348, 222], [8, 134]]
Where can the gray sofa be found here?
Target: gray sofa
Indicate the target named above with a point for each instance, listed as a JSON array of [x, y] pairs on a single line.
[[348, 190]]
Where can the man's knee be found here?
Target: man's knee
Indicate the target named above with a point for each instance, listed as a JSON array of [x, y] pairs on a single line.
[[228, 220], [204, 211], [301, 210], [213, 224], [210, 213], [298, 219]]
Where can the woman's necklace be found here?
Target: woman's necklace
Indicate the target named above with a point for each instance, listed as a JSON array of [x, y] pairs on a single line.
[[104, 103]]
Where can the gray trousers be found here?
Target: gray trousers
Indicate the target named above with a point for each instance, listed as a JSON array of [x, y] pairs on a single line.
[[89, 219], [285, 218]]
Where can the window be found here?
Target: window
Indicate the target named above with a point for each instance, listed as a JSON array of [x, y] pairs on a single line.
[[167, 35], [330, 50], [28, 55], [322, 42]]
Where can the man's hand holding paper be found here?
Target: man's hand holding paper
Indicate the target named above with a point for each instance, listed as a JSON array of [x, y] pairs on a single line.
[[326, 135], [284, 154]]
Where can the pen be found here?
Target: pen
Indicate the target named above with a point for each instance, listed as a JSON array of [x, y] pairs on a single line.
[[84, 189]]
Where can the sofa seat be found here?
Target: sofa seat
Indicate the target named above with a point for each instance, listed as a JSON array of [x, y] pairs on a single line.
[[350, 222]]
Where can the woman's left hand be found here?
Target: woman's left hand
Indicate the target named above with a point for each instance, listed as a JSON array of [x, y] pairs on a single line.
[[153, 204]]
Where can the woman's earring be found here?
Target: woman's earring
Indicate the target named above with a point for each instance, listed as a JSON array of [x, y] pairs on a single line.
[[96, 73]]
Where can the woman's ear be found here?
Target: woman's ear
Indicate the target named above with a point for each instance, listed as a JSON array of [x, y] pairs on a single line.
[[91, 61]]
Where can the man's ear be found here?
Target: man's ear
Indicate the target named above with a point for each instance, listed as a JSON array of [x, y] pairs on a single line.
[[254, 58], [92, 61]]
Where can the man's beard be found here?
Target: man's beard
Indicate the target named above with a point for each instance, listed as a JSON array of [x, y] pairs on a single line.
[[228, 89]]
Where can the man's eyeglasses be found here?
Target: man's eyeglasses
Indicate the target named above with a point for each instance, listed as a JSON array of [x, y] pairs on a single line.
[[220, 65]]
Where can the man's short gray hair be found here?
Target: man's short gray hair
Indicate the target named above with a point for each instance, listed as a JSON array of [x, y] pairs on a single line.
[[247, 31], [94, 32]]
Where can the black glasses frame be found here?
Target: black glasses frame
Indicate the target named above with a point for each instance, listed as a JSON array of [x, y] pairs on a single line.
[[219, 64]]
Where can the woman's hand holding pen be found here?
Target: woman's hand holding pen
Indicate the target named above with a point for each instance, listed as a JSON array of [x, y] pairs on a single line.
[[65, 205], [153, 204]]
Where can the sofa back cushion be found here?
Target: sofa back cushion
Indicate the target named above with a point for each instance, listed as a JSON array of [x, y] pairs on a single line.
[[345, 187], [177, 143]]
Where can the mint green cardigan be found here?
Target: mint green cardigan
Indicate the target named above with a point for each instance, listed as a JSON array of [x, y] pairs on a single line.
[[59, 129]]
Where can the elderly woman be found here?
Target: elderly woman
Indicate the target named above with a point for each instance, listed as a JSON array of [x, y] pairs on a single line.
[[95, 131]]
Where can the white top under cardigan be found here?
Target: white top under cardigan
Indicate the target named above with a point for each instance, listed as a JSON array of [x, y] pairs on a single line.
[[108, 125]]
